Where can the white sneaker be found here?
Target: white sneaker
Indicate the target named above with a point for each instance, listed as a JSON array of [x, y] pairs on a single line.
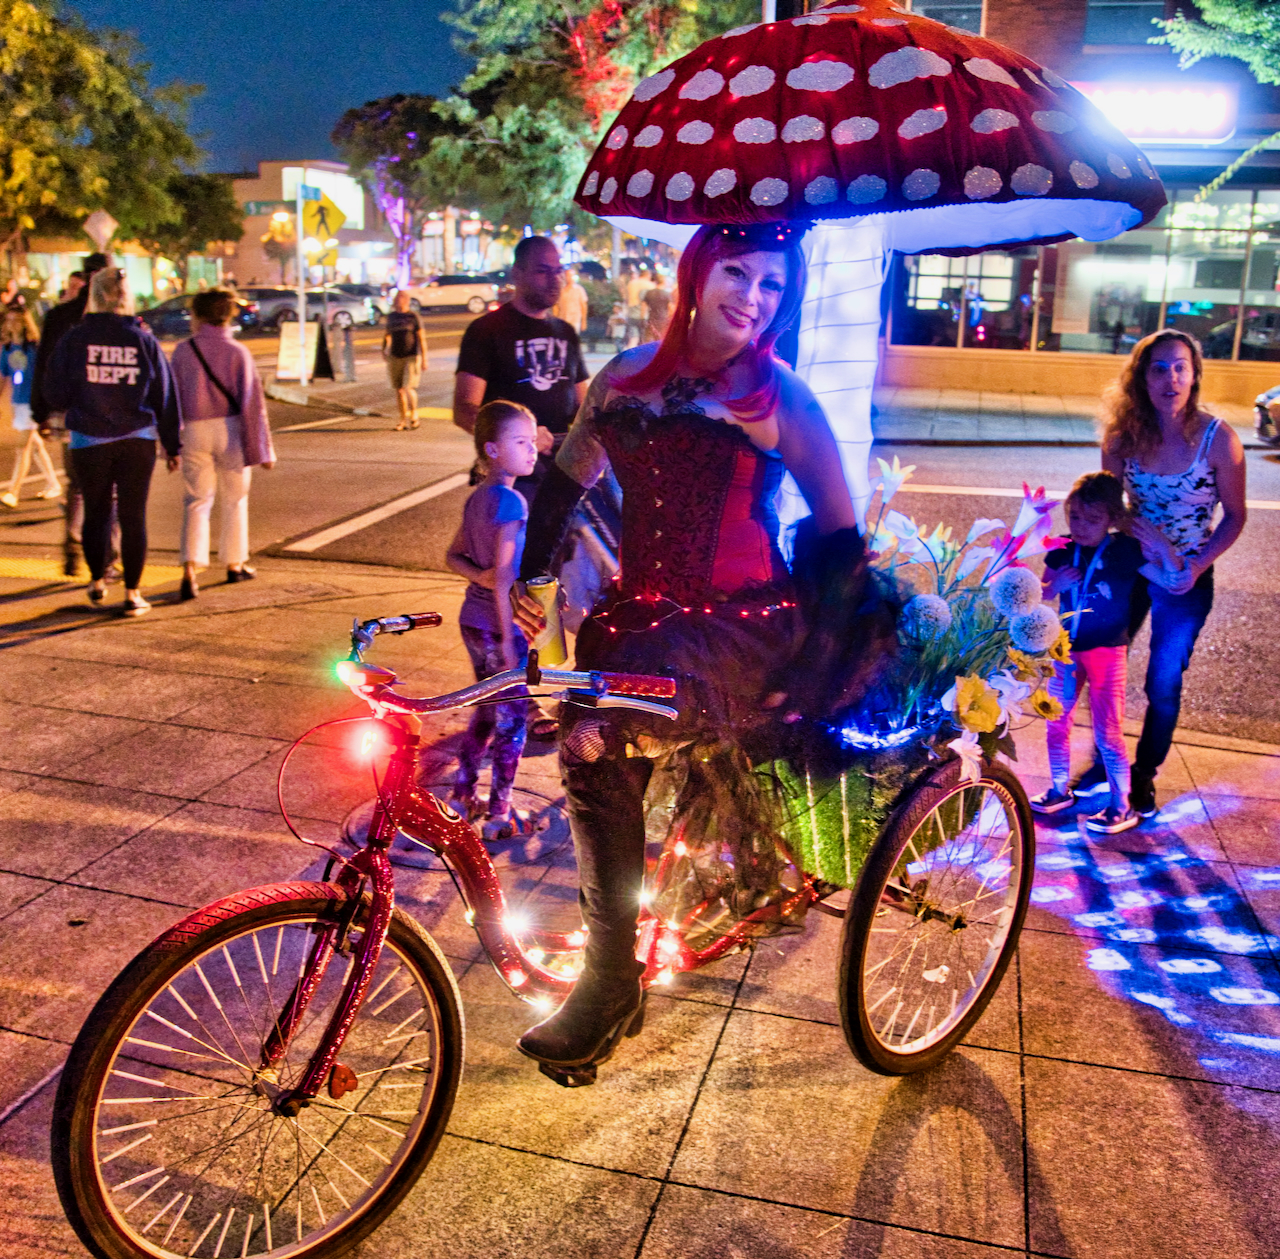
[[9, 500], [1111, 821], [135, 605], [1052, 801]]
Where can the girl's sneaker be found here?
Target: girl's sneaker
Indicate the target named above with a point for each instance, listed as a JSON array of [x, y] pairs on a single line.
[[508, 826], [1052, 801], [1111, 821], [468, 806]]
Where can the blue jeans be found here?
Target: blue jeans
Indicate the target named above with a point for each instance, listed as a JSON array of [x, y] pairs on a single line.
[[500, 726], [1176, 622]]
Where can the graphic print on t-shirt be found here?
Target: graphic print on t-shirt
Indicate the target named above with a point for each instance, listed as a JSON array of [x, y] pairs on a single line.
[[545, 359], [111, 364]]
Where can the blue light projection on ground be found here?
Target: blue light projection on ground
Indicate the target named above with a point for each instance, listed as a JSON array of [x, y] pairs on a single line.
[[1173, 933]]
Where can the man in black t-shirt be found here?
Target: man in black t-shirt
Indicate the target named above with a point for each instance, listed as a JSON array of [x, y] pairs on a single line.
[[522, 353], [404, 346]]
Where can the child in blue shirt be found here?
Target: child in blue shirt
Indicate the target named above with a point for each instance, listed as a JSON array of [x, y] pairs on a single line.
[[487, 551], [18, 339], [1094, 578]]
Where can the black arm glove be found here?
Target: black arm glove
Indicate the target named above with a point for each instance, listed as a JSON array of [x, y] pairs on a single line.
[[851, 627], [549, 516]]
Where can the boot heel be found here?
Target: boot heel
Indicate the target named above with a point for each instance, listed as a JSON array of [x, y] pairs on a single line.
[[570, 1077], [636, 1026]]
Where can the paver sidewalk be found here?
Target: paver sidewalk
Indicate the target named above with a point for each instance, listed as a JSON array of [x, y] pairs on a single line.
[[1121, 1097]]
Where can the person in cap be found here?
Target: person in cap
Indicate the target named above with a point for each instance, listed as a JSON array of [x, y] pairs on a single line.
[[699, 430], [112, 379]]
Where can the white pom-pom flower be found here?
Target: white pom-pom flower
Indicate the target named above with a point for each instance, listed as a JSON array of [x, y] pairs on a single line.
[[1015, 592], [1035, 631], [926, 618]]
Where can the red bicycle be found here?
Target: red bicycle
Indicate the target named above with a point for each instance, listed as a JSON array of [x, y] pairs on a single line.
[[272, 1074]]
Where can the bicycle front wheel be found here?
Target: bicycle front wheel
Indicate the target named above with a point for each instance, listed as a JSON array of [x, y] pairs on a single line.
[[165, 1141], [934, 920]]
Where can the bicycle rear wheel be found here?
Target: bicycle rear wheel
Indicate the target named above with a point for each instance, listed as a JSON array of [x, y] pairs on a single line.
[[934, 920], [164, 1138]]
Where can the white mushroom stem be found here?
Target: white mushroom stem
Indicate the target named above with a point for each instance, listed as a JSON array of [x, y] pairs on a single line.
[[839, 345]]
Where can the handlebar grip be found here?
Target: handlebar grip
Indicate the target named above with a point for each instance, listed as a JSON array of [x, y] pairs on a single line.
[[423, 620], [639, 684]]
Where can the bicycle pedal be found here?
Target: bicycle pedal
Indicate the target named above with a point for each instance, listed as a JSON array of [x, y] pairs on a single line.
[[570, 1077]]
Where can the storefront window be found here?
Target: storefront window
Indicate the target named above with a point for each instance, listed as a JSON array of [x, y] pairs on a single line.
[[968, 17], [1122, 21], [1210, 268]]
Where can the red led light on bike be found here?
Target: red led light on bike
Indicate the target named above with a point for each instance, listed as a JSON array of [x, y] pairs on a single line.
[[346, 672], [368, 740]]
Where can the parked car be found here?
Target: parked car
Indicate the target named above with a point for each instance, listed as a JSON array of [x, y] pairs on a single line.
[[172, 318], [279, 305], [1260, 337], [380, 303], [476, 293]]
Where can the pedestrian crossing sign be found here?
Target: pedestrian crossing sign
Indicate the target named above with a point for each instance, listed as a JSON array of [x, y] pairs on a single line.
[[321, 219]]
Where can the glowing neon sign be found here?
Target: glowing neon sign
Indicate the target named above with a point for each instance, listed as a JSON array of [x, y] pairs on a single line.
[[1168, 113]]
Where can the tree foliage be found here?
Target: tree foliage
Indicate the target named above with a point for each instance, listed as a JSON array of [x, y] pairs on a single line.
[[204, 209], [384, 141], [80, 128], [547, 80], [1248, 30]]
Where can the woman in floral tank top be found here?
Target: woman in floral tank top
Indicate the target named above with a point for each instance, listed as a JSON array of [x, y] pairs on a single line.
[[1178, 463]]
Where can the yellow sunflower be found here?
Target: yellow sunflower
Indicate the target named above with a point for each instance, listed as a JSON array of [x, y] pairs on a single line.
[[977, 705], [1044, 705], [1028, 668], [1060, 648]]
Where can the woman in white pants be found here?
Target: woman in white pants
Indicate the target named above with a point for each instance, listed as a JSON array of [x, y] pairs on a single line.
[[225, 435]]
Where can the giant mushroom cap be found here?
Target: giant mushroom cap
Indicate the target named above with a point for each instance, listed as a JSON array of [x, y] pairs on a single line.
[[864, 109]]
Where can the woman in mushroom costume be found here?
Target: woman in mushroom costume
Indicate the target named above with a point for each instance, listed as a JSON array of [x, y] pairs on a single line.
[[885, 130], [699, 430]]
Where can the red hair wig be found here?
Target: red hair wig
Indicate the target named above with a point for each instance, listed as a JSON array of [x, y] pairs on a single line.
[[708, 246]]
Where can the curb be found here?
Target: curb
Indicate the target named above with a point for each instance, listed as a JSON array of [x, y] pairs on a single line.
[[301, 398]]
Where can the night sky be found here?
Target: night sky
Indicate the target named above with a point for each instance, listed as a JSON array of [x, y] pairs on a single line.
[[279, 73]]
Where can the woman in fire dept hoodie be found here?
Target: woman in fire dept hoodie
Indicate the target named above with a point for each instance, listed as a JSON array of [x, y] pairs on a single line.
[[110, 376]]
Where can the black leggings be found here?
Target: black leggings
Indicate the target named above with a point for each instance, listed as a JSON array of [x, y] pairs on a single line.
[[124, 466]]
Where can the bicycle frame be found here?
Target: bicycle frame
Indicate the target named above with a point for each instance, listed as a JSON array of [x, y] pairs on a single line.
[[538, 965]]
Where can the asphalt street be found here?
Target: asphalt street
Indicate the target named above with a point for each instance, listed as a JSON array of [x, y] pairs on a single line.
[[334, 467]]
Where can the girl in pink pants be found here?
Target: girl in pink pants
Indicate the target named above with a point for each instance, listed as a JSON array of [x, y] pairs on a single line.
[[1094, 577]]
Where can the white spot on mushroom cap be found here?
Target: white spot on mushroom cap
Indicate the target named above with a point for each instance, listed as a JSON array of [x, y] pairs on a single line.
[[704, 85], [921, 183], [842, 8], [992, 120], [1083, 175], [648, 138], [695, 133], [680, 187], [866, 189], [640, 184], [821, 191], [617, 138], [1119, 167], [769, 191], [905, 64], [853, 130], [609, 189], [740, 30], [803, 127], [1146, 167], [981, 182], [888, 21], [720, 182], [1053, 120], [755, 131], [752, 81], [922, 122], [1031, 74], [811, 19], [593, 182], [1052, 78], [647, 89], [1031, 180], [985, 68], [820, 76]]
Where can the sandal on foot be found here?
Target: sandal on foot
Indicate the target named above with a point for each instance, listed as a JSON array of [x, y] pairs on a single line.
[[241, 574]]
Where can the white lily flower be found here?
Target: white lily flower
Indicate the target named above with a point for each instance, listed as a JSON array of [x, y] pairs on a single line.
[[891, 478], [981, 527], [974, 557], [967, 748]]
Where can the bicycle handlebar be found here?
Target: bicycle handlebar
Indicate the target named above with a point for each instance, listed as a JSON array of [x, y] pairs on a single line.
[[593, 689]]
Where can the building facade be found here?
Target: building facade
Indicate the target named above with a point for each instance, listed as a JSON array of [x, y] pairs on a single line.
[[1053, 319]]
